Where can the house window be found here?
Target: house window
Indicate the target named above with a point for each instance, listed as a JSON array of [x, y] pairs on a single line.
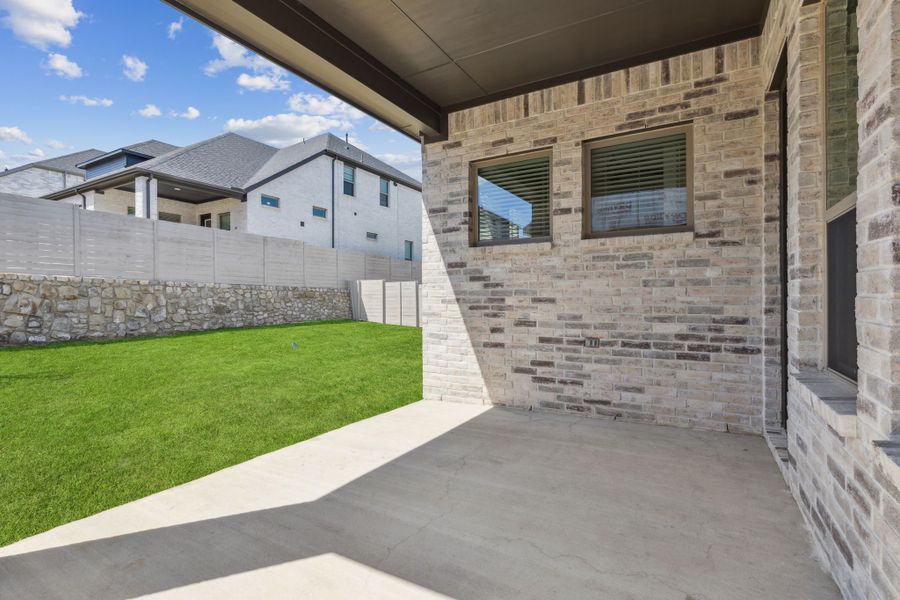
[[384, 196], [206, 220], [270, 201], [320, 212], [163, 216], [349, 180], [639, 183], [371, 236], [225, 221], [842, 88], [408, 250], [511, 199]]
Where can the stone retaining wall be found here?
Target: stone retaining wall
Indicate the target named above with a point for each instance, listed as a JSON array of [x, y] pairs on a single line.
[[36, 309]]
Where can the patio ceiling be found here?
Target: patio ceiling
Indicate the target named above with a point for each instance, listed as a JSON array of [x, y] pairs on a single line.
[[409, 62]]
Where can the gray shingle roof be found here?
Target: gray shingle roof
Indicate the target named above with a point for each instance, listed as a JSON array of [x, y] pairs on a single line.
[[228, 161], [64, 163], [151, 148], [287, 157]]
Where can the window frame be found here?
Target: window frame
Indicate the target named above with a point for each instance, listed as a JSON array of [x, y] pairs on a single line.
[[587, 146], [839, 209], [275, 198], [352, 168], [408, 244], [315, 216], [205, 217], [384, 198], [514, 157], [219, 220], [371, 236]]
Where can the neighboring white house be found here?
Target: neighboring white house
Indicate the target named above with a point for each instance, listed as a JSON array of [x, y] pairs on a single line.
[[46, 176], [323, 191]]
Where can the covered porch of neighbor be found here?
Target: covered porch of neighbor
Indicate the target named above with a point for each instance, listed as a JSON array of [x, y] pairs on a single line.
[[156, 197]]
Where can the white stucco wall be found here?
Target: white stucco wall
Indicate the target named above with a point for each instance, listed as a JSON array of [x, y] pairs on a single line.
[[310, 185], [36, 182]]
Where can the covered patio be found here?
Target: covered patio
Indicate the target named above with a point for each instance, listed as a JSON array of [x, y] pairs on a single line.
[[446, 500]]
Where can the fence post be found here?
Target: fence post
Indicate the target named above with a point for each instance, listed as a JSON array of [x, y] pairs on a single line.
[[76, 240], [266, 260], [155, 250], [214, 257]]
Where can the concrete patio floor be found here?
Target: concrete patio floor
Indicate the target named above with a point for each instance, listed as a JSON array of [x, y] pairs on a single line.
[[441, 500]]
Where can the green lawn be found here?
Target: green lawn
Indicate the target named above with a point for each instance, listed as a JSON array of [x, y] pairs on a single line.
[[84, 427]]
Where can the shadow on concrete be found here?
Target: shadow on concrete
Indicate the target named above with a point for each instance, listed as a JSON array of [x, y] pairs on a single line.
[[509, 504]]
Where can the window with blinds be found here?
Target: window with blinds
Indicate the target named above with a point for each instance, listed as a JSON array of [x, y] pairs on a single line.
[[512, 199], [639, 183]]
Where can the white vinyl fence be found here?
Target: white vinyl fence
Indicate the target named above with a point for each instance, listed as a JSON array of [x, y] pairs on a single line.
[[41, 237], [391, 302]]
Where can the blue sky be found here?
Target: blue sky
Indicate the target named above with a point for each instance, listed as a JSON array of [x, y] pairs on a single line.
[[104, 74]]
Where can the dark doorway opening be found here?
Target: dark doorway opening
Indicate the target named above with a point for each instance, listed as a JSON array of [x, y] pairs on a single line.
[[781, 81]]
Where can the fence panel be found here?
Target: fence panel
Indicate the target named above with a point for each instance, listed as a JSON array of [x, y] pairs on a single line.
[[184, 252], [320, 266], [239, 258], [378, 267], [37, 237], [401, 270], [409, 303], [112, 246], [392, 303], [42, 237], [284, 262], [351, 267]]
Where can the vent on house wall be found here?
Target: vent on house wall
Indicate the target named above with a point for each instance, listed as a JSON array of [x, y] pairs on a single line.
[[591, 342]]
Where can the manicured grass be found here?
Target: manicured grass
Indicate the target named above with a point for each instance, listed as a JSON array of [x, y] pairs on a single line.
[[84, 427]]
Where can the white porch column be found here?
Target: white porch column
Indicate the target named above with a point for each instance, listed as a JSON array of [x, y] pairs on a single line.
[[140, 197], [154, 208], [88, 200], [145, 201]]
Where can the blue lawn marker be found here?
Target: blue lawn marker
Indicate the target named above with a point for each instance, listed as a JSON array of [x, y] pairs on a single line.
[[294, 345]]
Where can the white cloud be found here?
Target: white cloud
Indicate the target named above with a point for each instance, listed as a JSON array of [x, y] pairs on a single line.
[[265, 82], [174, 28], [133, 68], [56, 144], [233, 55], [263, 77], [378, 126], [190, 113], [62, 66], [401, 159], [41, 23], [326, 106], [86, 101], [35, 154], [284, 129], [14, 134], [151, 110]]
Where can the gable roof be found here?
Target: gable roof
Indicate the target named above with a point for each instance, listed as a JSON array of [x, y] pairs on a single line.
[[327, 143], [228, 161], [232, 163], [65, 163], [147, 148], [151, 148]]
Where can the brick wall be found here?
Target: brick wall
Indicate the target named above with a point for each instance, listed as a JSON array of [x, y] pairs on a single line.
[[847, 487], [679, 316]]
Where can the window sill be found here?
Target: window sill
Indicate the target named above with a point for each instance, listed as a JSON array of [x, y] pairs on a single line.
[[521, 248], [830, 397], [642, 239]]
